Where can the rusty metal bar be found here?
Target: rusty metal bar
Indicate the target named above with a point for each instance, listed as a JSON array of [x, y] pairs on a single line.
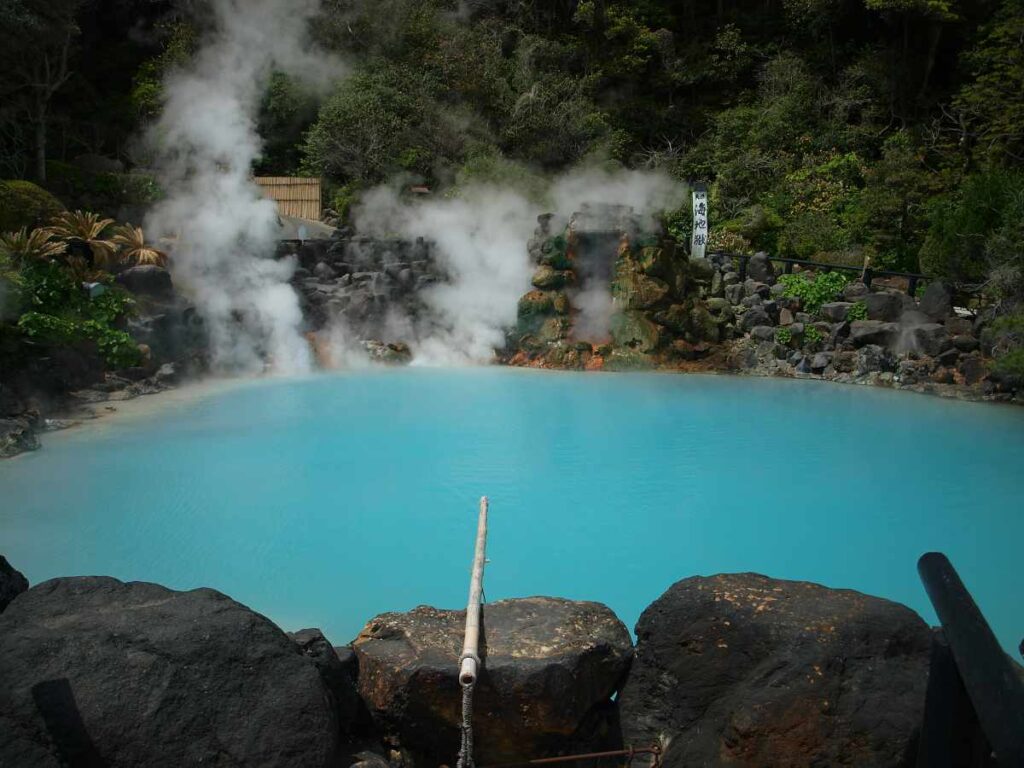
[[631, 752]]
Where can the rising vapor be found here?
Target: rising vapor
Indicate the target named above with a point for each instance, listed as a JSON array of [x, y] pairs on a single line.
[[205, 143], [480, 241]]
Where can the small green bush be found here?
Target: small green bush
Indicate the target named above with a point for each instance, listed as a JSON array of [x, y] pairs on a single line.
[[1011, 364], [55, 309], [783, 336], [858, 311], [812, 335], [823, 288]]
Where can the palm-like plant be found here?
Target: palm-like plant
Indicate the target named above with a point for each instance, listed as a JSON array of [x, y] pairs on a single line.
[[134, 249], [24, 246], [87, 229]]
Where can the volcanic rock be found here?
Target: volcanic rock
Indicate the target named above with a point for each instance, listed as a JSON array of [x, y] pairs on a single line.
[[760, 268], [873, 332], [884, 306], [550, 667], [937, 301], [338, 674], [147, 280], [754, 317], [12, 583], [740, 669], [18, 434], [94, 671], [836, 311], [931, 339]]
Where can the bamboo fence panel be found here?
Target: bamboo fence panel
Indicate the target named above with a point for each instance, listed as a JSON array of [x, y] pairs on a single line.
[[295, 196]]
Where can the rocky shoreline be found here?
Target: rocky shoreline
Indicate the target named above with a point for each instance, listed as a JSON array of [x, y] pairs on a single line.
[[734, 669], [659, 310], [670, 311]]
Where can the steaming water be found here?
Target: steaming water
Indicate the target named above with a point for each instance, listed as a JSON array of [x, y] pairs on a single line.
[[323, 501]]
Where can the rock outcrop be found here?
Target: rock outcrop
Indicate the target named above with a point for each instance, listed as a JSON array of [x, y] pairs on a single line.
[[94, 671], [339, 673], [609, 293], [550, 669], [358, 283], [12, 583], [744, 670]]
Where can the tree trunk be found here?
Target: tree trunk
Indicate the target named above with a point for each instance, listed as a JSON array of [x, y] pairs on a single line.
[[934, 36], [41, 144]]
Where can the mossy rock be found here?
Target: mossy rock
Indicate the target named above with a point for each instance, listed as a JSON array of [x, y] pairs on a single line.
[[635, 290], [553, 329], [629, 360], [703, 325], [24, 204], [536, 306], [634, 330], [555, 252], [676, 318], [562, 355], [549, 278], [656, 263]]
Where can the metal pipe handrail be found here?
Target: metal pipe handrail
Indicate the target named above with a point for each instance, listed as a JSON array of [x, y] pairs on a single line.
[[993, 686]]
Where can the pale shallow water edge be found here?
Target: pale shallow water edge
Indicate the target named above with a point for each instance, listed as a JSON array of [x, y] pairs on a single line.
[[326, 500]]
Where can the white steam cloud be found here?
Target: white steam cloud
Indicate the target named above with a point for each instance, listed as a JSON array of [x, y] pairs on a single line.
[[481, 241], [205, 143]]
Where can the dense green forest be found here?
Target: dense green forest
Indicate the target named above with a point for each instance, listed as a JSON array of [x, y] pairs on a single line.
[[829, 129]]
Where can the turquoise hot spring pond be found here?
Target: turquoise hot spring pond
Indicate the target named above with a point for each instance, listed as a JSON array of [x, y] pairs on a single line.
[[326, 500]]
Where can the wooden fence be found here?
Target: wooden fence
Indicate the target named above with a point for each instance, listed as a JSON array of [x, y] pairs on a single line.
[[298, 197]]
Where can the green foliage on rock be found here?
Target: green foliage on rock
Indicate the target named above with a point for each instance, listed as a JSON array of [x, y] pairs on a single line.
[[859, 311], [813, 291]]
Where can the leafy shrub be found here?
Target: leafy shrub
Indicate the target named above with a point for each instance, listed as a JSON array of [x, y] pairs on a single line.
[[23, 204], [812, 293], [55, 309], [974, 229], [783, 336], [812, 335], [858, 311], [1012, 363], [103, 192], [1006, 338]]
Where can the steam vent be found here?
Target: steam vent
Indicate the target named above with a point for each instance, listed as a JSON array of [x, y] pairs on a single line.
[[610, 292]]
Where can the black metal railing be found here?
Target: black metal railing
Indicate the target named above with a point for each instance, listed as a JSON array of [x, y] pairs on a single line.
[[974, 708]]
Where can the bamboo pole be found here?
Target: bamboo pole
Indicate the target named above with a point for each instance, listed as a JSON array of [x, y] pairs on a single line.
[[470, 660]]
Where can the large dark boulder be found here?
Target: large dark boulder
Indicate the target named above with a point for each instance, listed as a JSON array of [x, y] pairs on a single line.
[[932, 339], [864, 332], [550, 667], [147, 280], [884, 306], [94, 671], [754, 317], [760, 268], [12, 583], [339, 676], [744, 670], [937, 301]]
